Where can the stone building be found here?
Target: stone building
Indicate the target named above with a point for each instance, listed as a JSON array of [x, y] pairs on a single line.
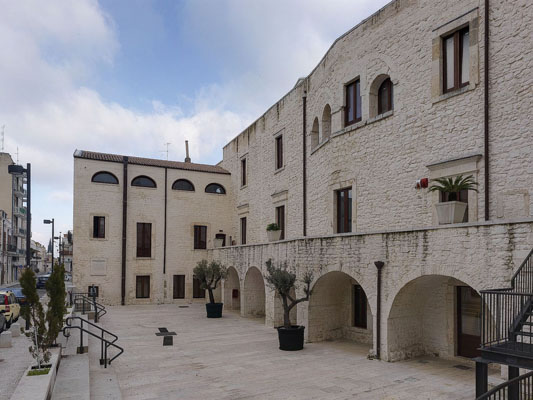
[[342, 163]]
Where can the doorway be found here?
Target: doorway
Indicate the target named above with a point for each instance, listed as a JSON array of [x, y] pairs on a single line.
[[468, 322]]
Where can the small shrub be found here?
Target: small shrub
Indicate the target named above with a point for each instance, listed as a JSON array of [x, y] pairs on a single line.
[[273, 227], [35, 372], [209, 275]]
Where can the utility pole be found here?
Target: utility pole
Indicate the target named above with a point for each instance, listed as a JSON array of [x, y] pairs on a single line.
[[167, 144]]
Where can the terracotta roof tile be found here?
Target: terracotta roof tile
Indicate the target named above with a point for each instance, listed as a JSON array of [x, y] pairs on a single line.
[[150, 162]]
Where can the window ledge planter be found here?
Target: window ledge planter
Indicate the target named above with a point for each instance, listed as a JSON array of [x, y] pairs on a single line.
[[450, 212], [218, 243], [274, 236]]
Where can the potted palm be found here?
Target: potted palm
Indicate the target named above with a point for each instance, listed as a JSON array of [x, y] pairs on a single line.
[[450, 210], [273, 232], [209, 275], [281, 280]]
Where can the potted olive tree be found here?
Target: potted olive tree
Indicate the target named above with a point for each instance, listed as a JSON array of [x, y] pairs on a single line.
[[281, 280], [209, 275], [450, 210], [273, 232]]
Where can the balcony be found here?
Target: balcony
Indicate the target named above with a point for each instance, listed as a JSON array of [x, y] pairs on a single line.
[[20, 232], [20, 192], [12, 248], [20, 211]]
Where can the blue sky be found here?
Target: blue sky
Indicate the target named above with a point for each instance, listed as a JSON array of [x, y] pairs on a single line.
[[128, 76]]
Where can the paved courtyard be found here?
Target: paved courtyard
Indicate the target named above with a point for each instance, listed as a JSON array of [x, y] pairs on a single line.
[[238, 358]]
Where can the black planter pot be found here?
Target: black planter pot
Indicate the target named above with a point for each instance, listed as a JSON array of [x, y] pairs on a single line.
[[214, 310], [291, 339]]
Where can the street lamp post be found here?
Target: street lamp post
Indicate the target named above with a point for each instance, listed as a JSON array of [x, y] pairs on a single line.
[[47, 222]]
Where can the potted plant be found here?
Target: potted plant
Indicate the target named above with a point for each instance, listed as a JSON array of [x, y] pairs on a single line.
[[281, 280], [218, 242], [209, 275], [450, 210], [273, 232]]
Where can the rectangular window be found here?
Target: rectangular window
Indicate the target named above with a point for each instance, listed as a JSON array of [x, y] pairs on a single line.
[[99, 227], [279, 152], [197, 291], [280, 220], [200, 237], [243, 230], [456, 60], [243, 172], [352, 111], [178, 287], [142, 290], [359, 307], [144, 239], [344, 210]]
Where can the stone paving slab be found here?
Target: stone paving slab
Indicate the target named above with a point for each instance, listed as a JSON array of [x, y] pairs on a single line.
[[13, 362], [238, 358]]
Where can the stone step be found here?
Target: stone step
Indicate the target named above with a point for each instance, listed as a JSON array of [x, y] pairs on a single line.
[[104, 382], [73, 381]]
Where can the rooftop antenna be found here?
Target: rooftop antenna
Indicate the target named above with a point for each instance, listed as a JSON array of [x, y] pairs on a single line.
[[187, 158], [3, 127], [166, 151], [17, 155]]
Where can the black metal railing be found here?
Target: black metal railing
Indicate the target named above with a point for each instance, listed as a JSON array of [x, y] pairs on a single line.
[[105, 343], [85, 304], [519, 388], [507, 323]]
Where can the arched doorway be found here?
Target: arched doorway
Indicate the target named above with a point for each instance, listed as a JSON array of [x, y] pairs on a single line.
[[232, 290], [339, 309], [253, 294], [434, 315]]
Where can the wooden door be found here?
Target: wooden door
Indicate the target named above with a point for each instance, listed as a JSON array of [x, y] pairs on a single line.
[[468, 322]]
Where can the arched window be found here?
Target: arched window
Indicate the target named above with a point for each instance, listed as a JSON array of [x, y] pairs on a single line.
[[385, 97], [183, 184], [314, 134], [143, 181], [104, 177], [215, 188], [326, 122]]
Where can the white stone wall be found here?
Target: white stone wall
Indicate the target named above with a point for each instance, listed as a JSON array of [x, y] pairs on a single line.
[[381, 158], [98, 261], [417, 317]]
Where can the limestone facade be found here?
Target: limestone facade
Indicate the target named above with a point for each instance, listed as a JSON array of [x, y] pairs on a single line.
[[427, 134]]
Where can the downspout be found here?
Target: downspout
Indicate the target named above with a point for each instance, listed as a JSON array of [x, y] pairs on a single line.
[[486, 149], [165, 227], [379, 265], [304, 163], [124, 225]]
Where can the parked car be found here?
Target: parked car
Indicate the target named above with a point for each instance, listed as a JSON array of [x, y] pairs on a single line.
[[10, 305], [68, 277], [41, 281], [19, 295], [3, 322]]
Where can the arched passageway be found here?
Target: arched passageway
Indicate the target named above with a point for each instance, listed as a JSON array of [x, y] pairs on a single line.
[[232, 290], [253, 301], [434, 315], [339, 309]]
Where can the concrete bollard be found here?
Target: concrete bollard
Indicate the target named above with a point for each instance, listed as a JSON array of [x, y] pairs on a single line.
[[5, 339], [15, 329]]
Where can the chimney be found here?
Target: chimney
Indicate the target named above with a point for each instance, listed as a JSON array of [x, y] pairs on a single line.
[[187, 158]]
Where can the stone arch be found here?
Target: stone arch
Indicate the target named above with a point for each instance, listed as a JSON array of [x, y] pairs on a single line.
[[332, 310], [315, 133], [326, 123], [373, 93], [253, 301], [422, 318], [232, 290]]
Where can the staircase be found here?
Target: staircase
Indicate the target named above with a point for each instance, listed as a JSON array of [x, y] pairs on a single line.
[[507, 336], [85, 371]]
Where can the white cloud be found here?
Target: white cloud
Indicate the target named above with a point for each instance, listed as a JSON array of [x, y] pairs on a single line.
[[50, 52]]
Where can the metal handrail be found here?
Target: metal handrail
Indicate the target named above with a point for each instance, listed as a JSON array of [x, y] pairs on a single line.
[[104, 343], [514, 388], [521, 267], [100, 310]]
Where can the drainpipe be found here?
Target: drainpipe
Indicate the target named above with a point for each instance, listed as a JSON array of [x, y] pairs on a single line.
[[379, 265], [304, 164], [165, 227], [124, 224], [486, 127]]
